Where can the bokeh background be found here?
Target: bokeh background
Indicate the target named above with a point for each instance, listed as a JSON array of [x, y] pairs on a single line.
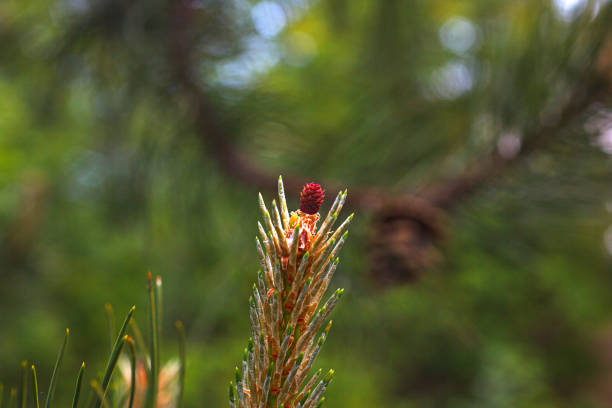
[[474, 138]]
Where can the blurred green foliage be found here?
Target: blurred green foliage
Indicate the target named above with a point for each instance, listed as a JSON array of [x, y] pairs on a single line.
[[104, 176]]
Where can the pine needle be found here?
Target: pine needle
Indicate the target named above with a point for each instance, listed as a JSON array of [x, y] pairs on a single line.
[[58, 362], [77, 390]]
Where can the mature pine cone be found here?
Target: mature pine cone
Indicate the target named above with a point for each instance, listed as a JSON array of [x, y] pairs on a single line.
[[403, 242]]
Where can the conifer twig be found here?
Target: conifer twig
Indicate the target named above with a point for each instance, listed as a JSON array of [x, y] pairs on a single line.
[[297, 263]]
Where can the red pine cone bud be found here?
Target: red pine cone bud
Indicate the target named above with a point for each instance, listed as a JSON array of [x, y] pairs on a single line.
[[311, 198]]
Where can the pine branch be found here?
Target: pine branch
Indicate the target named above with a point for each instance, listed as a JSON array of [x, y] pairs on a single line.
[[298, 262]]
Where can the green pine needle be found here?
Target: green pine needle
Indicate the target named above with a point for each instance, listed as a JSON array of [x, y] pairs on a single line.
[[151, 399], [35, 388], [100, 393], [58, 362], [77, 390], [132, 371], [112, 362]]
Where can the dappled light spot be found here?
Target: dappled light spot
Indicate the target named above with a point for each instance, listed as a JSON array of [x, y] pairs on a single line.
[[604, 141], [599, 125], [452, 80], [269, 18], [509, 144], [568, 10], [458, 35], [260, 55]]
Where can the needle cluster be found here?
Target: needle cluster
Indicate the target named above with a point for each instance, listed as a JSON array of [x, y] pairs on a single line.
[[287, 312]]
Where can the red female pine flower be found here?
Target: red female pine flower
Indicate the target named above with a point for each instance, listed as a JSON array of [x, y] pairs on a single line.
[[311, 198]]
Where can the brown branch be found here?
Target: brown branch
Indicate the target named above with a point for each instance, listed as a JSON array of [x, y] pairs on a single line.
[[214, 137], [440, 194], [209, 128], [406, 226], [447, 193]]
